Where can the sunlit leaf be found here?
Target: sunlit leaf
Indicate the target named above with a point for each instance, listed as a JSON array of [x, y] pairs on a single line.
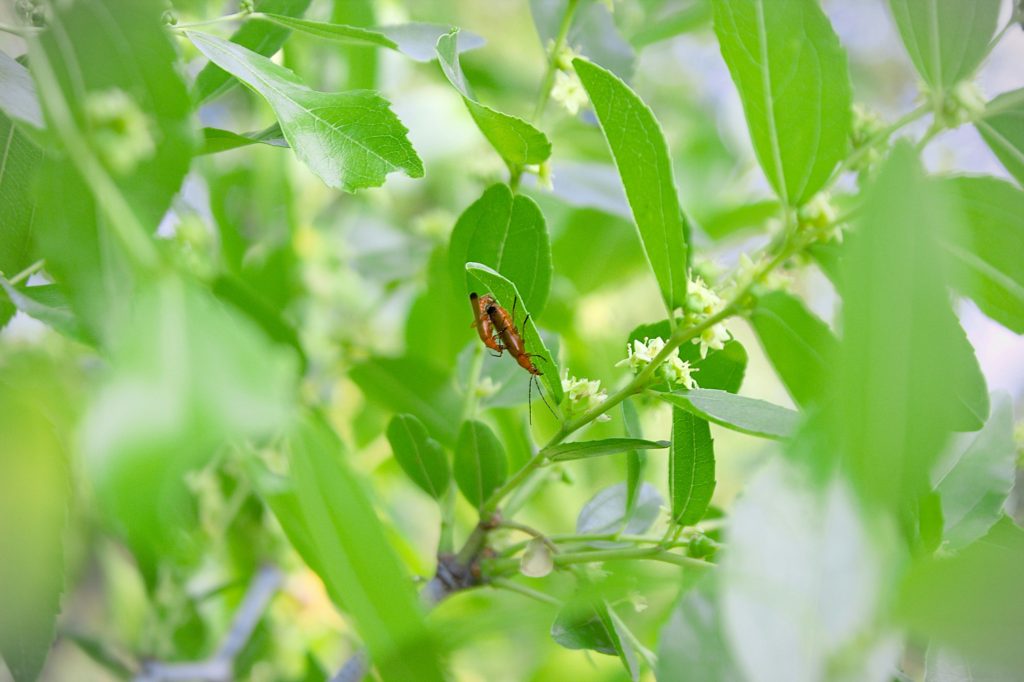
[[798, 343], [356, 559], [351, 140], [946, 39], [260, 37], [586, 449], [646, 173], [507, 233], [983, 254], [1002, 128], [976, 481], [480, 462], [902, 347], [691, 467], [505, 293], [419, 455], [747, 415], [515, 140], [186, 375], [793, 79]]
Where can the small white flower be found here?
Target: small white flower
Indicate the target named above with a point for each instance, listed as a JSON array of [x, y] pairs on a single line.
[[569, 92], [714, 337], [486, 388], [638, 601], [641, 353], [700, 298], [583, 394], [679, 371], [819, 212]]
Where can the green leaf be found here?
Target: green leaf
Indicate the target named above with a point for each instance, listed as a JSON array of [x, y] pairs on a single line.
[[35, 491], [746, 415], [21, 161], [977, 479], [419, 455], [800, 346], [413, 385], [594, 250], [583, 623], [946, 39], [505, 293], [691, 467], [259, 36], [944, 665], [606, 513], [480, 463], [117, 68], [515, 140], [507, 233], [646, 173], [351, 140], [636, 460], [414, 40], [896, 402], [187, 374], [729, 221], [598, 448], [970, 602], [984, 262], [356, 561], [692, 645], [48, 304], [793, 79], [18, 94], [806, 580], [216, 140], [1003, 131]]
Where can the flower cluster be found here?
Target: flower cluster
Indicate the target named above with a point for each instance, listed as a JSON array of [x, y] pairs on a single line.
[[866, 125], [748, 269], [962, 104], [701, 303], [583, 395], [818, 218], [568, 90], [676, 370]]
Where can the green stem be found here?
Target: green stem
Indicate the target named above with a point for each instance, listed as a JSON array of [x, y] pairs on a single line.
[[505, 584], [27, 272], [446, 541], [552, 66], [656, 553]]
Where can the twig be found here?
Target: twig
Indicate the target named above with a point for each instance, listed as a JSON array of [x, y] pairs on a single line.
[[220, 666]]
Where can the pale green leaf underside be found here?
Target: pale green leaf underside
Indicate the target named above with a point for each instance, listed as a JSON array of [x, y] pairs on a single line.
[[414, 40], [19, 163], [18, 93], [505, 293], [597, 448], [515, 140], [351, 140], [641, 156], [739, 413], [946, 39], [793, 79]]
